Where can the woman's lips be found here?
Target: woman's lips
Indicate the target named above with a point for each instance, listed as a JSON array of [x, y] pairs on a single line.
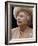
[[19, 21]]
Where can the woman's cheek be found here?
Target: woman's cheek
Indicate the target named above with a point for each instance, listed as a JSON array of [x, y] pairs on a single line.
[[25, 17]]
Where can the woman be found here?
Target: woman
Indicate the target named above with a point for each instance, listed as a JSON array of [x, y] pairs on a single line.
[[23, 17]]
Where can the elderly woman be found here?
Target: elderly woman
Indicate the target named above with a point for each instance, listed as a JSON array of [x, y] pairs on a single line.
[[23, 17]]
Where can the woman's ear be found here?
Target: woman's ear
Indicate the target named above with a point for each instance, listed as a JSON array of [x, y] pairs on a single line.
[[29, 20]]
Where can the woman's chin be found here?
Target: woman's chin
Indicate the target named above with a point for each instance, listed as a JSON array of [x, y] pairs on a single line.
[[19, 24]]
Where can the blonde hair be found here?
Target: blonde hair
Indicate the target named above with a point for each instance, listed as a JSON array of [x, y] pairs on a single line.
[[17, 9]]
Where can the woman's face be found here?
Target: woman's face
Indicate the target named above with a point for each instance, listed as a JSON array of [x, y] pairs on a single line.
[[22, 18]]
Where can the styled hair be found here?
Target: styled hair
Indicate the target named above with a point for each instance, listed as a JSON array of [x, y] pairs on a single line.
[[23, 9], [18, 9]]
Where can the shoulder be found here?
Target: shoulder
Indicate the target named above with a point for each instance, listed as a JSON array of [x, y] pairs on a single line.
[[14, 29], [30, 32], [14, 32], [30, 29]]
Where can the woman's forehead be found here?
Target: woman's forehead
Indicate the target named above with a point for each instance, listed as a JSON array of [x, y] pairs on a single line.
[[22, 13]]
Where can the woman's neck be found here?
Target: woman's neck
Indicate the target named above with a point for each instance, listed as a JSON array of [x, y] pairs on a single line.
[[23, 28]]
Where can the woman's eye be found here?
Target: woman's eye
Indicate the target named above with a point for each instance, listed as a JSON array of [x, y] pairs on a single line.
[[21, 16]]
